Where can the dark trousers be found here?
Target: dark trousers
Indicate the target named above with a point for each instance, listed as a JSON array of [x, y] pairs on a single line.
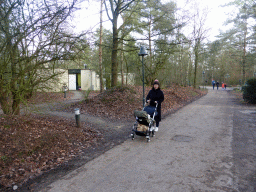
[[157, 120], [157, 123], [213, 86]]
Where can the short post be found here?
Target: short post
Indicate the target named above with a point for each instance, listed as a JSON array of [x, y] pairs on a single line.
[[203, 80], [77, 116], [65, 88]]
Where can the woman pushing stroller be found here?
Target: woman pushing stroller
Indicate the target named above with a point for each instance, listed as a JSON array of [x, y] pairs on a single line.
[[156, 96]]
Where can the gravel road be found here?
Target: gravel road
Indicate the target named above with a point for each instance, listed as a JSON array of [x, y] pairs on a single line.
[[194, 150]]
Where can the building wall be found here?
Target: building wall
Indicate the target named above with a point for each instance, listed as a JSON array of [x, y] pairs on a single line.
[[62, 80], [56, 84], [89, 80], [85, 79]]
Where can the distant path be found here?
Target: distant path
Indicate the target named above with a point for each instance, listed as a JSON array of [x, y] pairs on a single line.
[[50, 109], [194, 150]]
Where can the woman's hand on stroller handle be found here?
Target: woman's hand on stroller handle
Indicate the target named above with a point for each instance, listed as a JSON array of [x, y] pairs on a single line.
[[148, 101]]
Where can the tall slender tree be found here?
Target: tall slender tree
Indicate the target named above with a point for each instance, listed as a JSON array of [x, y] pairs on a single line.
[[199, 33], [114, 8], [100, 49]]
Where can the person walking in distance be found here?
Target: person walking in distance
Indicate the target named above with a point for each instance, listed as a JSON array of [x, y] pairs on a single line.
[[217, 85], [156, 96], [213, 84]]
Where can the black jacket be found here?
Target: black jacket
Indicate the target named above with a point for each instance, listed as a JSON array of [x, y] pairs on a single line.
[[156, 95]]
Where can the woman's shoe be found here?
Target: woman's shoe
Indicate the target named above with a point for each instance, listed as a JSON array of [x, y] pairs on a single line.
[[156, 129]]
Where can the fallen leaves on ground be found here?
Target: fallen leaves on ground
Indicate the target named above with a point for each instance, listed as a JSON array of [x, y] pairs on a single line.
[[120, 102], [44, 97], [30, 145], [47, 97]]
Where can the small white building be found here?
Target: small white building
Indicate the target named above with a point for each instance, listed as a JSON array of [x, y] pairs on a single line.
[[84, 79], [81, 79], [74, 79]]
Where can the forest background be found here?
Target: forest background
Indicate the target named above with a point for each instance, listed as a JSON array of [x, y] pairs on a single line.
[[179, 41], [39, 37]]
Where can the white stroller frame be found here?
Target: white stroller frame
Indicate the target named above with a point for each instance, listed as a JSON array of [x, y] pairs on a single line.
[[150, 130]]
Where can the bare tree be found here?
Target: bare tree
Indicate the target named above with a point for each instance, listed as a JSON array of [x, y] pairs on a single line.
[[199, 33], [33, 38]]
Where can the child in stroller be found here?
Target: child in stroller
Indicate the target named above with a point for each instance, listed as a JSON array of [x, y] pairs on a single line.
[[145, 122]]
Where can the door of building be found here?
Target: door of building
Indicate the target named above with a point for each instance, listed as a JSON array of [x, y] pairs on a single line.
[[72, 81]]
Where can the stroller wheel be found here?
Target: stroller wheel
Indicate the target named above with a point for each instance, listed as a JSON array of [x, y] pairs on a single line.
[[153, 133], [148, 140], [132, 135]]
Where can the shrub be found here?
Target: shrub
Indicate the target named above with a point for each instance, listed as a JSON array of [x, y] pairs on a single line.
[[249, 91], [86, 94]]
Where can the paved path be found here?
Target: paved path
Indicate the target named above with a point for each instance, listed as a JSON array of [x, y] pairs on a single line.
[[191, 152]]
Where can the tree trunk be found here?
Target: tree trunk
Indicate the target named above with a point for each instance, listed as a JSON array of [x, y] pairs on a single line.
[[114, 61], [121, 63], [122, 56], [149, 43], [14, 85], [100, 50], [196, 63], [197, 43], [244, 55], [4, 102], [16, 104]]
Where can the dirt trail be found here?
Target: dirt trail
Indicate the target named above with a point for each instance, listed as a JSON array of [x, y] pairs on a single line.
[[191, 152], [50, 109]]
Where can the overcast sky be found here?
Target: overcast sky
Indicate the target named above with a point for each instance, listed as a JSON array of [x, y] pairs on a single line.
[[88, 17], [217, 15]]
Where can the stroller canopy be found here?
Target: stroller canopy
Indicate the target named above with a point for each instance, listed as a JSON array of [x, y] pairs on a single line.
[[150, 110]]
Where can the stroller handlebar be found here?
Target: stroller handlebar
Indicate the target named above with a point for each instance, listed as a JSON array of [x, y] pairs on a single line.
[[156, 104]]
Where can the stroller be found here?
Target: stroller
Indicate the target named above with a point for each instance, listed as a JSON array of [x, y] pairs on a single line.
[[145, 122]]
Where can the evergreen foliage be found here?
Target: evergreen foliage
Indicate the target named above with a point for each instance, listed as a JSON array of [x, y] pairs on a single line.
[[249, 91]]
